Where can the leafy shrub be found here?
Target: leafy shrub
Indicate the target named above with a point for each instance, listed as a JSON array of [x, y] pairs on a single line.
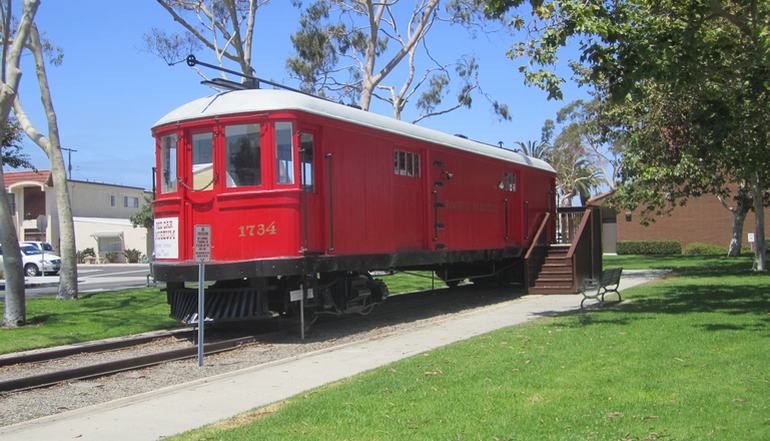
[[704, 249], [82, 255], [111, 257], [132, 255], [649, 247], [746, 248]]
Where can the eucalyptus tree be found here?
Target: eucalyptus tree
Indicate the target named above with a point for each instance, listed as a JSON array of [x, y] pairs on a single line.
[[694, 71], [360, 50], [14, 312], [225, 27], [51, 145]]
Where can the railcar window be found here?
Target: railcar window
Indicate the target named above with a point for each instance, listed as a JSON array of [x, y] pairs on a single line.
[[168, 174], [406, 163], [284, 153], [243, 155], [306, 156], [509, 182], [202, 163]]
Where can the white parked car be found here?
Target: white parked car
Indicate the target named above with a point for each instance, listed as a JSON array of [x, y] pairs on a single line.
[[42, 246], [34, 263]]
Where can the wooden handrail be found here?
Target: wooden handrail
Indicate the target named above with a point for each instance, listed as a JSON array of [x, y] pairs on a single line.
[[539, 233], [579, 235]]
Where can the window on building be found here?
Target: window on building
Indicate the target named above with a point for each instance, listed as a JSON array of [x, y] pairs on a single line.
[[509, 182], [112, 200], [242, 150], [168, 175], [306, 156], [202, 163], [136, 202], [284, 153], [406, 163], [125, 201], [12, 202], [110, 245]]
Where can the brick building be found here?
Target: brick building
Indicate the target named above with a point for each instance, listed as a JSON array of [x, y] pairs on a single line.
[[703, 220]]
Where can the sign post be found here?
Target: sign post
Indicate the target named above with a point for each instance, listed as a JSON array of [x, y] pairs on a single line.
[[202, 249]]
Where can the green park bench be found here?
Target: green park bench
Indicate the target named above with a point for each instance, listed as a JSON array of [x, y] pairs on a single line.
[[596, 289]]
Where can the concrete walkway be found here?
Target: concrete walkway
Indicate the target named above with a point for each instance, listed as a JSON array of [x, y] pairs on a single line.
[[176, 409]]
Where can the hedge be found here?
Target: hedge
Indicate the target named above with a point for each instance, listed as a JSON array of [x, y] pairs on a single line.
[[649, 247], [704, 249]]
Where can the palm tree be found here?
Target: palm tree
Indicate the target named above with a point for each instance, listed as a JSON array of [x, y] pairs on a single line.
[[535, 149]]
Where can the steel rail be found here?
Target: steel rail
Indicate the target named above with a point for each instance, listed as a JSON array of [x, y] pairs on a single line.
[[87, 347], [111, 367]]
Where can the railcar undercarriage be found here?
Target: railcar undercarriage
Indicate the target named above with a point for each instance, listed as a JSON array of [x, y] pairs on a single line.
[[329, 293], [335, 293]]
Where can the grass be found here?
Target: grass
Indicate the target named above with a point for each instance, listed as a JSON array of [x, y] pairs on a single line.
[[409, 282], [687, 358], [684, 265], [95, 316]]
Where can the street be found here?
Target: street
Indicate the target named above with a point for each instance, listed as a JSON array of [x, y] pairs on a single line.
[[91, 278]]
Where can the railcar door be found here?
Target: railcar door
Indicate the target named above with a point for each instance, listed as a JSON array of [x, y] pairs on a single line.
[[407, 198], [197, 180], [312, 216]]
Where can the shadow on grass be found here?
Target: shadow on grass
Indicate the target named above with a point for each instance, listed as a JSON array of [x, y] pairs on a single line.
[[751, 303]]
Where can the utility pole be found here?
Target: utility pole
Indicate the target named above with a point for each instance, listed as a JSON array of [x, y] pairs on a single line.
[[69, 160]]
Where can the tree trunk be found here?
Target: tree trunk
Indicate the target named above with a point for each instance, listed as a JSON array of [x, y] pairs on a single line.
[[15, 313], [760, 259], [68, 279], [736, 240]]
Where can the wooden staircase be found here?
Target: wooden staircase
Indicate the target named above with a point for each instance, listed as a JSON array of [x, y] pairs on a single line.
[[562, 268], [556, 274]]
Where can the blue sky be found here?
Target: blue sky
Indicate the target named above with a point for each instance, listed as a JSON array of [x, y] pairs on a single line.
[[109, 90]]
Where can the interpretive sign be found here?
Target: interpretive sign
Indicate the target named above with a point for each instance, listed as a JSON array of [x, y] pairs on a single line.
[[166, 237], [202, 243]]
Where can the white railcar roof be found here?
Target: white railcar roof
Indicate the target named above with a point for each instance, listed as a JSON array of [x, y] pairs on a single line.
[[264, 100]]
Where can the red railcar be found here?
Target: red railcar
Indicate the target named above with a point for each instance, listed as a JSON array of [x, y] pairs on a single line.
[[299, 188]]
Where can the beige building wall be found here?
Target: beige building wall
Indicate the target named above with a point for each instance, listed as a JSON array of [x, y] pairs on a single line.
[[98, 210], [103, 200], [86, 230]]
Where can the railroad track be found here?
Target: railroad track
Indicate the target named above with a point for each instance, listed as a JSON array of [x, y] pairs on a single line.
[[131, 363], [95, 346], [125, 364]]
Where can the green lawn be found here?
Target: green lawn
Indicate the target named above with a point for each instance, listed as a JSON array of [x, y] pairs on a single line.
[[409, 282], [688, 358], [94, 316], [684, 265]]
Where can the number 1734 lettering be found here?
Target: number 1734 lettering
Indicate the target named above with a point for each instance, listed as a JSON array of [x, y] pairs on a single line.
[[258, 230]]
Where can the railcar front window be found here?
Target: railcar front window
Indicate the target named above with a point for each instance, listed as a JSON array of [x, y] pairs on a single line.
[[202, 163], [243, 155], [306, 155], [284, 153], [168, 164]]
